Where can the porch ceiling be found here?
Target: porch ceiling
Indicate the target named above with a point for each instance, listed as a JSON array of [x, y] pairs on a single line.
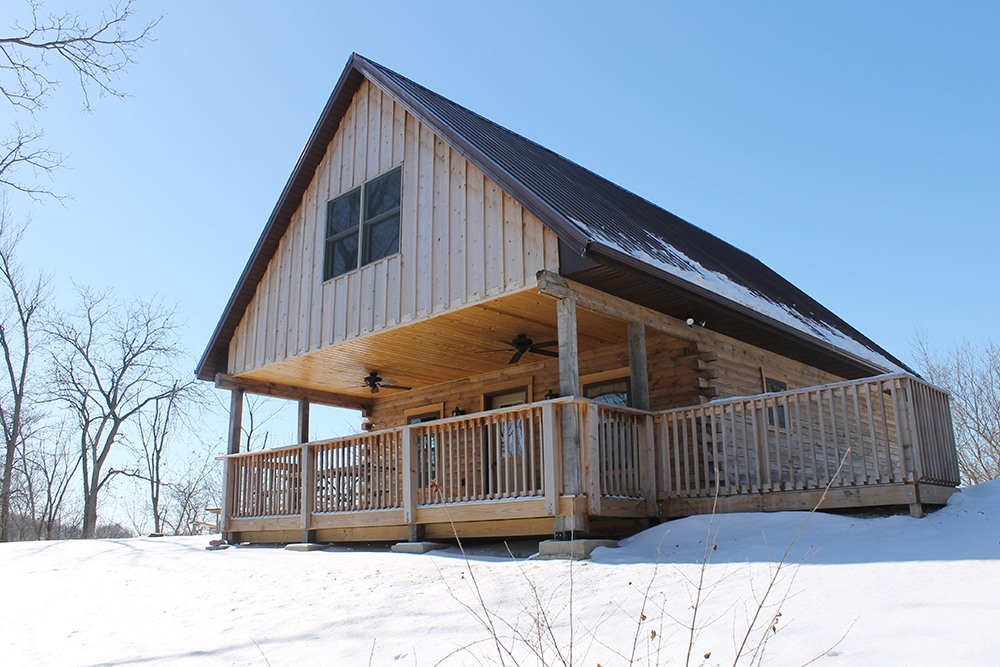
[[453, 345]]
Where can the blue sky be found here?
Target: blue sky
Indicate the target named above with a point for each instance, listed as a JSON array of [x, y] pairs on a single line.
[[852, 146]]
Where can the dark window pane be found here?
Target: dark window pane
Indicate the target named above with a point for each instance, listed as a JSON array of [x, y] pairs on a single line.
[[772, 385], [343, 213], [612, 392], [382, 239], [342, 255], [382, 194]]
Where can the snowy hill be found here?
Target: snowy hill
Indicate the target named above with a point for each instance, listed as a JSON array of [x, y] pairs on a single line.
[[882, 591]]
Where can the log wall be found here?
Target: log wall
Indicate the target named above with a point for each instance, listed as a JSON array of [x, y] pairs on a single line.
[[673, 381]]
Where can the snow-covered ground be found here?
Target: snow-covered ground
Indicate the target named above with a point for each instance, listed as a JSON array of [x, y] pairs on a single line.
[[877, 591]]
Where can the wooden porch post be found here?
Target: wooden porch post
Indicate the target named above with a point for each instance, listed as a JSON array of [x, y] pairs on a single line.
[[569, 385], [639, 393], [229, 478], [307, 474], [409, 447], [303, 420], [638, 370]]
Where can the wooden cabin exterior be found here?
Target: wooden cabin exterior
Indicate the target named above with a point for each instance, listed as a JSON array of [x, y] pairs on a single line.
[[419, 245]]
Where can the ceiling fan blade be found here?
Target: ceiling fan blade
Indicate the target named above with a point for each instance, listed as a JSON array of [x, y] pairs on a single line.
[[504, 349], [517, 356], [547, 353], [547, 343], [396, 386]]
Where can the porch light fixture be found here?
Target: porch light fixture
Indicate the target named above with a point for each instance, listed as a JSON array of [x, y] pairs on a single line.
[[691, 321], [457, 412]]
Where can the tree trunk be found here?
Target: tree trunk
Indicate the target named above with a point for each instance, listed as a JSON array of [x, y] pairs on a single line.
[[90, 516], [8, 467], [157, 523]]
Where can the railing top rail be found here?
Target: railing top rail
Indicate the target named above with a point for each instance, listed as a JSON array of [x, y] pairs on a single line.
[[524, 407], [311, 443], [608, 406], [563, 400]]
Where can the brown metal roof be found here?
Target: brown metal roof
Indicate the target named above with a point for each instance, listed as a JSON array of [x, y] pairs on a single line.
[[582, 208]]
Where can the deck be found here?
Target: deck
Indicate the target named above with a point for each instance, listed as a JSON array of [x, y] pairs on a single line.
[[881, 441]]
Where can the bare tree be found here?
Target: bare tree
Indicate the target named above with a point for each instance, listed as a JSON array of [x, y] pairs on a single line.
[[156, 428], [971, 374], [259, 411], [21, 300], [192, 491], [113, 361], [47, 470], [95, 51]]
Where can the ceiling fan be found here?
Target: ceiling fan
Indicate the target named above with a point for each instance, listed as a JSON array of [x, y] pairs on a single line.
[[375, 382], [521, 345]]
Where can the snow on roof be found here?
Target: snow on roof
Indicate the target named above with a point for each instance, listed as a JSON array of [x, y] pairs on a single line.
[[674, 262]]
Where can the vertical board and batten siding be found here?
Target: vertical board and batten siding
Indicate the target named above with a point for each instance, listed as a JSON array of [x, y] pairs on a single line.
[[461, 239]]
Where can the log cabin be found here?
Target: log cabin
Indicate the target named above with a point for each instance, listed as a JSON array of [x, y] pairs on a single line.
[[536, 351]]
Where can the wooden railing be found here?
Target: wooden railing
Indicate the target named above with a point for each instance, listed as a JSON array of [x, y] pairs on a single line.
[[935, 458], [488, 456], [886, 429], [266, 483], [362, 472], [616, 440], [889, 429]]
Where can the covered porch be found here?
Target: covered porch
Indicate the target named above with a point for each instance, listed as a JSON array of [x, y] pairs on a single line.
[[880, 441]]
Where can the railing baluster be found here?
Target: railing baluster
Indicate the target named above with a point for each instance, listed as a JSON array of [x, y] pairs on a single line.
[[877, 474], [861, 435]]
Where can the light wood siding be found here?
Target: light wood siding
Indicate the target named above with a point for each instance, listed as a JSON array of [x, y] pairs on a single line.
[[461, 239]]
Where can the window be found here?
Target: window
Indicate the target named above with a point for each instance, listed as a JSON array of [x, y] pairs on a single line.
[[613, 392], [508, 434], [772, 386], [362, 226], [617, 454]]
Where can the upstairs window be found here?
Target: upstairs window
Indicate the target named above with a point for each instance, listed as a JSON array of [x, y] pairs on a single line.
[[362, 226]]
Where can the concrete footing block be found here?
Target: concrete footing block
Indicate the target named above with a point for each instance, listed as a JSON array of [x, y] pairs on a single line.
[[416, 547], [305, 546], [571, 549]]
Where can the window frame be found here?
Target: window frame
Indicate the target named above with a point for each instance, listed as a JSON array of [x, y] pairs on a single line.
[[614, 376], [776, 416], [426, 445], [363, 227]]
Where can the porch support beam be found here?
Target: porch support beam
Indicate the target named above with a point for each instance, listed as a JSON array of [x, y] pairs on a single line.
[[307, 474], [569, 385], [569, 351], [303, 420], [224, 381], [233, 447], [554, 285], [638, 369], [415, 531]]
